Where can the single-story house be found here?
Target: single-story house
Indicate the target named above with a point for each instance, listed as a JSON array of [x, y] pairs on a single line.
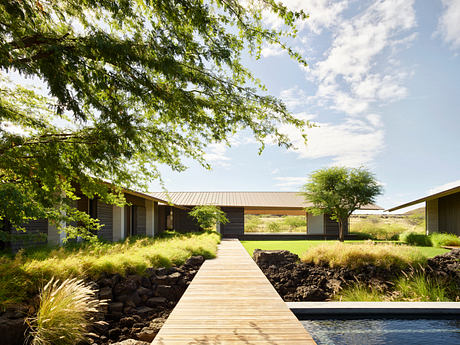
[[238, 204], [140, 217], [442, 211]]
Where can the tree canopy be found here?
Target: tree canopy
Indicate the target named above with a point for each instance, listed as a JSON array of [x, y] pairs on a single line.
[[208, 216], [338, 191], [128, 85]]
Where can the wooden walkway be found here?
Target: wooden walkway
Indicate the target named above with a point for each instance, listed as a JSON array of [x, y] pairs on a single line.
[[230, 301]]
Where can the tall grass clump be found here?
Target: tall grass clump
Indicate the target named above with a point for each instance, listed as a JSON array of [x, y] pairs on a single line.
[[418, 286], [439, 239], [64, 313], [360, 292], [415, 239], [358, 255]]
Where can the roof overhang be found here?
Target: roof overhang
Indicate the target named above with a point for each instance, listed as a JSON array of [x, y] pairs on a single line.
[[427, 198]]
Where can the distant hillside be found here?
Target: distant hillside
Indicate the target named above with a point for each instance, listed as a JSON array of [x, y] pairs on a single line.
[[420, 211]]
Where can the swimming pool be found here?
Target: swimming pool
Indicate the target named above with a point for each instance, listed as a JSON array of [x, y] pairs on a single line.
[[375, 331]]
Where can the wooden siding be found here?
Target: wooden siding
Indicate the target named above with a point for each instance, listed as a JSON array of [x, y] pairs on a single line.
[[162, 212], [105, 216], [140, 220], [449, 214], [235, 226], [35, 235], [183, 222], [331, 227]]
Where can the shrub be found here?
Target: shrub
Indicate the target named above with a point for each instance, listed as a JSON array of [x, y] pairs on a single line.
[[417, 286], [358, 255], [274, 227], [415, 239], [362, 236], [360, 292], [441, 239], [376, 230], [64, 313], [208, 216], [294, 222], [252, 223]]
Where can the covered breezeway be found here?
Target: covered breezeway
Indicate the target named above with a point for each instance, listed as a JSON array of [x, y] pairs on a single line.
[[237, 205]]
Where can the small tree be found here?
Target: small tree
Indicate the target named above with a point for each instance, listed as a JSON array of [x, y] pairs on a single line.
[[339, 191], [208, 215]]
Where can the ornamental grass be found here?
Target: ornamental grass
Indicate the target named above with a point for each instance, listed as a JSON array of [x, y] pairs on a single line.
[[357, 255]]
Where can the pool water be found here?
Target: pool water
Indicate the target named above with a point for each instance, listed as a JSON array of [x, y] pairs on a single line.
[[384, 331]]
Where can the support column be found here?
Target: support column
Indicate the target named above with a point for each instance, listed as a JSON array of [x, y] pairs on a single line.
[[432, 216], [151, 216], [55, 237], [315, 224], [118, 223]]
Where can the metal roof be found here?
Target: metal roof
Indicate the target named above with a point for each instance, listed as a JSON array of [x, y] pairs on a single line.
[[428, 197], [241, 199]]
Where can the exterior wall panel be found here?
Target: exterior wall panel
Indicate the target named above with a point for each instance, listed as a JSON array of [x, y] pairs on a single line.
[[235, 226], [35, 235], [315, 224], [449, 214], [432, 217], [105, 216], [331, 227], [183, 223]]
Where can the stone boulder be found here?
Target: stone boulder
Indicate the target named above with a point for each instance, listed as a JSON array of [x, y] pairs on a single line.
[[274, 257]]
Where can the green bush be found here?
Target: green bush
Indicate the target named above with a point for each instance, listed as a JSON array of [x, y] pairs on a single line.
[[362, 236], [274, 227], [252, 223], [64, 313], [415, 239], [441, 239], [294, 222], [376, 230]]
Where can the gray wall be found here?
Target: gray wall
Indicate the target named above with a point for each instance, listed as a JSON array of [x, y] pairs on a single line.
[[449, 214], [235, 226], [105, 216]]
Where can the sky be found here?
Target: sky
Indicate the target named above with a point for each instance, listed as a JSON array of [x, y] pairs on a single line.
[[382, 87]]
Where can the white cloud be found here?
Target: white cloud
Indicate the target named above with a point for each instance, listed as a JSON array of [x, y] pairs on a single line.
[[216, 154], [272, 50], [294, 97], [322, 14], [275, 171], [349, 77], [444, 187], [449, 23], [291, 182], [353, 143]]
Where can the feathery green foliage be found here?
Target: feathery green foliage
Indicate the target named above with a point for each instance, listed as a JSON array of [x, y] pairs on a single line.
[[64, 313], [415, 239], [338, 191], [128, 85], [21, 276], [415, 286], [357, 255], [439, 239], [208, 216]]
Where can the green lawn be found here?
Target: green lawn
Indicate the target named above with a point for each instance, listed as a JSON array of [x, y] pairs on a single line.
[[301, 246]]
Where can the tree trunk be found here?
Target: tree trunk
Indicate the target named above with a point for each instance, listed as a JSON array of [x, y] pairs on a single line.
[[341, 237]]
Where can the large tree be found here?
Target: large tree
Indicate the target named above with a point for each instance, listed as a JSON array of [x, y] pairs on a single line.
[[129, 85], [338, 191]]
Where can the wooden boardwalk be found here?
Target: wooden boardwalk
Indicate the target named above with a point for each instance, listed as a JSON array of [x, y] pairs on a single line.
[[230, 301]]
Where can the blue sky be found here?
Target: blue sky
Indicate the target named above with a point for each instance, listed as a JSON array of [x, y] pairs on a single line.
[[383, 86]]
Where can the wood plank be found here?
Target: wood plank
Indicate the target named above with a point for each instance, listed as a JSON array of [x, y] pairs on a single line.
[[230, 301]]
